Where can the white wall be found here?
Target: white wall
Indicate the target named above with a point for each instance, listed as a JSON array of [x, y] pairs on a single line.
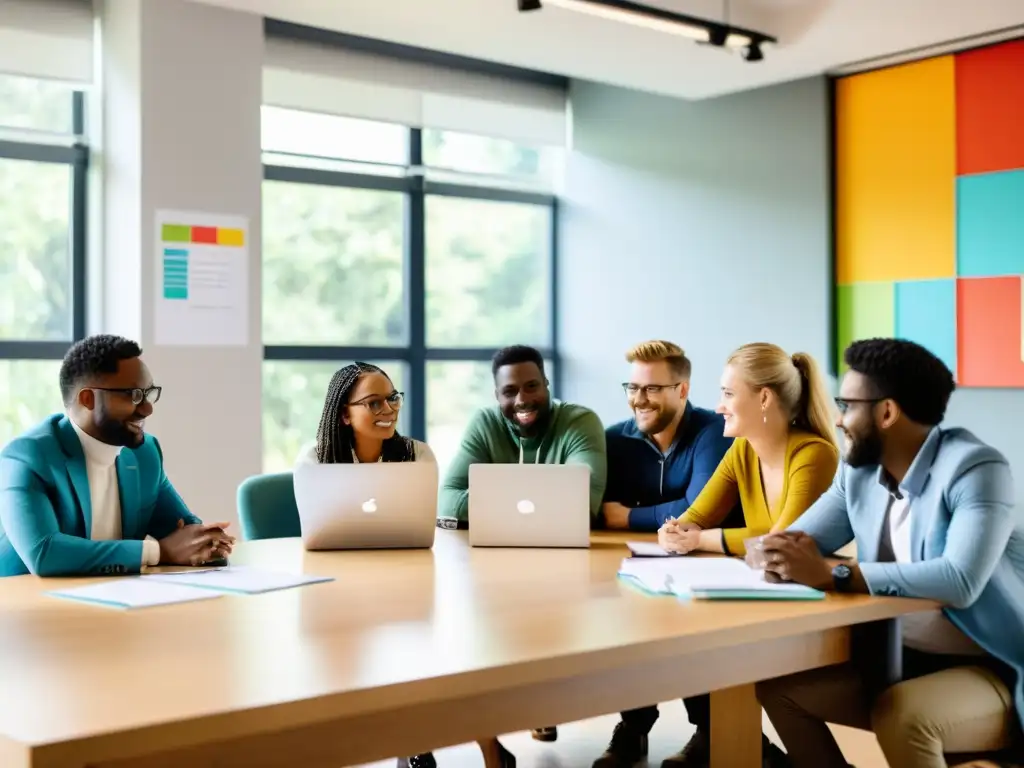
[[705, 223], [181, 131]]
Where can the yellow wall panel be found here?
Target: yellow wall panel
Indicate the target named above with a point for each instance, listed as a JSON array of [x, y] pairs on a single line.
[[896, 173]]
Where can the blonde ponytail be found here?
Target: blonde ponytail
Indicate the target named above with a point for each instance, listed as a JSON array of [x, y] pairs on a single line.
[[796, 381], [815, 412]]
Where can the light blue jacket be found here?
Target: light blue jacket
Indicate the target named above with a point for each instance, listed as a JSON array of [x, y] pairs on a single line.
[[46, 510], [967, 539]]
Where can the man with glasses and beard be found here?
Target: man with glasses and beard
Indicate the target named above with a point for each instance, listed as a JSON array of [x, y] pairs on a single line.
[[525, 427], [84, 493], [659, 460], [658, 463], [932, 512]]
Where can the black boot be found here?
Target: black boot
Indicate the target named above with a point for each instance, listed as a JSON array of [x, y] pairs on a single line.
[[696, 753], [627, 748], [426, 760]]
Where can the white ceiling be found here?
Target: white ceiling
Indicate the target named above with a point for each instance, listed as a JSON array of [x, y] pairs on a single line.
[[815, 36]]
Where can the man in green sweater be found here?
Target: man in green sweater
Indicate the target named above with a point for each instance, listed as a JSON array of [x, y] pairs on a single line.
[[525, 427]]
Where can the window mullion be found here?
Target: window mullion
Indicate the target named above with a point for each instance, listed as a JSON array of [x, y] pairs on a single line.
[[416, 299]]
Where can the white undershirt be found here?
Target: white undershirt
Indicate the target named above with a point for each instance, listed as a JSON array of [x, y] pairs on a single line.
[[928, 631], [105, 494]]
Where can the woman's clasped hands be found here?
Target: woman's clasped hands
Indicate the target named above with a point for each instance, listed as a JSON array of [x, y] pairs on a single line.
[[677, 537]]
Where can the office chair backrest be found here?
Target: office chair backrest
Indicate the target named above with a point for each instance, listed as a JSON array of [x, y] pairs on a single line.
[[266, 507]]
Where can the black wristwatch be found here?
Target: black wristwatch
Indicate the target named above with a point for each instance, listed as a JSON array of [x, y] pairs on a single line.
[[841, 577]]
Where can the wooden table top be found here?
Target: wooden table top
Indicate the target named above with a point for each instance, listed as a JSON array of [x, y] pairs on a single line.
[[394, 626]]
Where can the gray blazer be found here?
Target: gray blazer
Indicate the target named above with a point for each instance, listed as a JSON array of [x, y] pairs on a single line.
[[967, 539]]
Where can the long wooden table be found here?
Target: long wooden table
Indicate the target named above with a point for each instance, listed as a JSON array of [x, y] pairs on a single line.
[[403, 652]]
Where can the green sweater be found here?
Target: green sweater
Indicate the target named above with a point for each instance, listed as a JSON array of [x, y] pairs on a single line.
[[574, 435]]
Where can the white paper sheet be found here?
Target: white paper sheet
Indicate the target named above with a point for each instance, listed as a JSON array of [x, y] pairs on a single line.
[[685, 576], [646, 549], [239, 578], [134, 592]]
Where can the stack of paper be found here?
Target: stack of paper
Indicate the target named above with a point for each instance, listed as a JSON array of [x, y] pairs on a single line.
[[710, 578], [134, 592], [237, 578]]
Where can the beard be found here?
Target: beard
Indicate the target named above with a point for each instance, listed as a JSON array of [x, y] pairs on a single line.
[[657, 422], [115, 432], [539, 424], [864, 451]]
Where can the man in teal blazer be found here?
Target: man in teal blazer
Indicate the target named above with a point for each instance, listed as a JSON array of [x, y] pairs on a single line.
[[933, 516], [84, 493]]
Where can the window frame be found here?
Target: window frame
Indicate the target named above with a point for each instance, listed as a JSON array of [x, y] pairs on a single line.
[[415, 354], [75, 155]]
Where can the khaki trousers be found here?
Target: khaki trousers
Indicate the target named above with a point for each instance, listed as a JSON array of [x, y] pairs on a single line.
[[962, 710]]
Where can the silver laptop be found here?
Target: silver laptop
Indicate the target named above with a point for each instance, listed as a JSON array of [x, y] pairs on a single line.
[[529, 505], [390, 505]]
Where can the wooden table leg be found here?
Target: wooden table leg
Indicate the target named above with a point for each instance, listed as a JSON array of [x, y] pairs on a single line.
[[735, 728]]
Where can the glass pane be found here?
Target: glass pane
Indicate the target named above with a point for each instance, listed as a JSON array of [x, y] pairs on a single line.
[[455, 390], [332, 266], [311, 133], [39, 105], [293, 399], [29, 392], [467, 153], [35, 257], [488, 273]]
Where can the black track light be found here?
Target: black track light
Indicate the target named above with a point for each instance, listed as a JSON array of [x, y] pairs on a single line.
[[701, 31], [753, 52], [717, 36]]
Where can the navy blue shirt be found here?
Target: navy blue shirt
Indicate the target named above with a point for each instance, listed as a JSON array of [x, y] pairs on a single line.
[[659, 486]]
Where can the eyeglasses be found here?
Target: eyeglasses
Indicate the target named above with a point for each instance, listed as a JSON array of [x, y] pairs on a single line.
[[649, 390], [376, 404], [137, 395], [844, 403]]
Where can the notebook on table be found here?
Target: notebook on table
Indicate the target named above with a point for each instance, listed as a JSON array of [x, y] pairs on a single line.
[[133, 592], [708, 578]]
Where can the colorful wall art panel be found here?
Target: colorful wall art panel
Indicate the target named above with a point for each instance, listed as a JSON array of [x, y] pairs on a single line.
[[930, 210]]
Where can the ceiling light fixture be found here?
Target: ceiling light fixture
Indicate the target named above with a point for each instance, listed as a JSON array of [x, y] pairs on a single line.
[[658, 20]]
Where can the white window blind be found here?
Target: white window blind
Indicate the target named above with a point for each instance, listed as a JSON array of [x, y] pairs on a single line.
[[47, 38], [321, 78]]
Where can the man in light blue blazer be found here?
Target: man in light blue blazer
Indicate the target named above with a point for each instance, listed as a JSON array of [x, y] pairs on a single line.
[[932, 513], [84, 493]]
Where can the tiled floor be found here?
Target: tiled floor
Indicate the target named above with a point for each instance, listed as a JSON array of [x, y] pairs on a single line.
[[579, 743]]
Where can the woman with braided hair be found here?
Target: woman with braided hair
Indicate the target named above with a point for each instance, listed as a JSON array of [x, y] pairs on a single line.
[[358, 425], [359, 422]]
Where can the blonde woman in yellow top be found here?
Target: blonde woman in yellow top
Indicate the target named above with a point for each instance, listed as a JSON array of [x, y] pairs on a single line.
[[784, 457]]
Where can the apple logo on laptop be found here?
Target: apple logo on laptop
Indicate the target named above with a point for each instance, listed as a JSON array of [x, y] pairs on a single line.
[[370, 506], [525, 507]]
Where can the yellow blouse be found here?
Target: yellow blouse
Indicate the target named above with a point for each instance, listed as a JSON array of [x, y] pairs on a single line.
[[811, 464]]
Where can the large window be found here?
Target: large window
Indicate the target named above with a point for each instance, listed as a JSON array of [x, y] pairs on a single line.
[[421, 251], [43, 165]]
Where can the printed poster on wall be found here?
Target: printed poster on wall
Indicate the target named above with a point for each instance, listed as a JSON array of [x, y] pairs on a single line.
[[202, 279]]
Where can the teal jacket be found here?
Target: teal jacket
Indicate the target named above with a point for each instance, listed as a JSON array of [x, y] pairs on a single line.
[[575, 435], [966, 533], [46, 512]]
